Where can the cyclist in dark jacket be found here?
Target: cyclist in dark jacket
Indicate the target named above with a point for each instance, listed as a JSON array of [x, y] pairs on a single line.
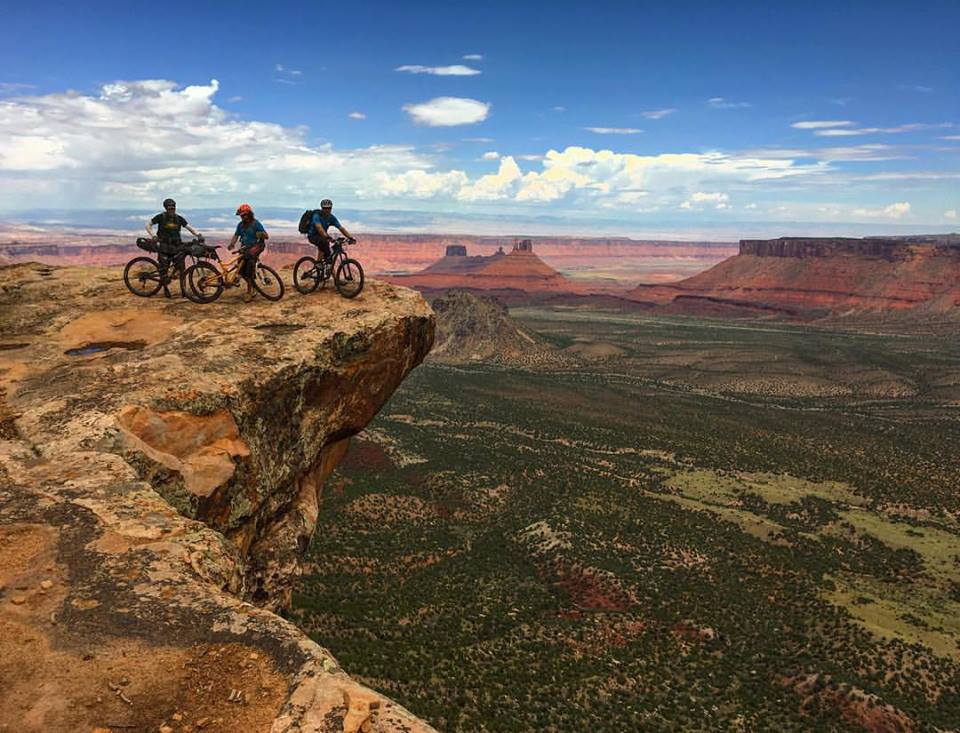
[[170, 246], [169, 223], [321, 221], [253, 239]]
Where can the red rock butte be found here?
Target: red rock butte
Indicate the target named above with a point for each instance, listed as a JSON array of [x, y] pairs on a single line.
[[810, 277], [518, 270]]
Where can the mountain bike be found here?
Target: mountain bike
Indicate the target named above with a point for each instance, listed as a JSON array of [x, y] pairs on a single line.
[[205, 283], [144, 276], [310, 273]]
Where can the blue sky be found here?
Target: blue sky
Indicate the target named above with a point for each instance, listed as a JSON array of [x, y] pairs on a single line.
[[631, 117]]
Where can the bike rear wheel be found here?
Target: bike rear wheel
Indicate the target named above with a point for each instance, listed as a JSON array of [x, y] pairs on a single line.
[[306, 275], [267, 282], [349, 278], [202, 283], [142, 276]]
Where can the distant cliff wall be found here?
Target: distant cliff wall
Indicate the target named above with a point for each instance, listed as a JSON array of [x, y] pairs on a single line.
[[815, 277], [890, 249]]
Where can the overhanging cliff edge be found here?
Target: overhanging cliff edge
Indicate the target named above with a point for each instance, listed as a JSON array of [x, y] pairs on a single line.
[[161, 472]]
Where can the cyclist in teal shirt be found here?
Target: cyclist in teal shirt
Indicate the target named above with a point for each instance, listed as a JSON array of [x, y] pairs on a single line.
[[321, 221], [252, 237]]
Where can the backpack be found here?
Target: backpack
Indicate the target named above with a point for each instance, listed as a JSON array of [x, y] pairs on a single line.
[[306, 219]]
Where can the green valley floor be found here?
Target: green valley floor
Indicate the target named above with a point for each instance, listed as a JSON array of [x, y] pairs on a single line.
[[695, 525]]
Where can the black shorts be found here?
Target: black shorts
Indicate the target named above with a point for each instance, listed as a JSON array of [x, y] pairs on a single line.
[[250, 256], [320, 243]]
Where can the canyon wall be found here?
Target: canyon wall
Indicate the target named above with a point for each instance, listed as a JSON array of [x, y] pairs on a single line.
[[813, 277], [162, 467], [888, 248]]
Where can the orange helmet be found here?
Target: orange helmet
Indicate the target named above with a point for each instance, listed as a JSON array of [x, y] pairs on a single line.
[[244, 209]]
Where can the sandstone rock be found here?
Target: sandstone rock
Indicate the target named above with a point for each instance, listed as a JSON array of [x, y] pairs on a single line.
[[477, 328], [164, 473], [813, 277], [519, 271]]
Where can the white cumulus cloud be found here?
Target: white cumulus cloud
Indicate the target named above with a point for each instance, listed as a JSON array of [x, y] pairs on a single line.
[[717, 200], [454, 70], [491, 155], [448, 111], [134, 142], [893, 211], [421, 184], [493, 185], [473, 57], [951, 214], [357, 116]]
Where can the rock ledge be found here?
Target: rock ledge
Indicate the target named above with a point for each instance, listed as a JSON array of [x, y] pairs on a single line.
[[161, 472]]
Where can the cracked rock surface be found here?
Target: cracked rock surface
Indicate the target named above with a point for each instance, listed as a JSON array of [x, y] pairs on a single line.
[[161, 472]]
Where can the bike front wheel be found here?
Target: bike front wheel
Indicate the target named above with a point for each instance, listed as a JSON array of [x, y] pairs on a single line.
[[267, 282], [349, 278], [306, 275], [202, 283], [142, 276]]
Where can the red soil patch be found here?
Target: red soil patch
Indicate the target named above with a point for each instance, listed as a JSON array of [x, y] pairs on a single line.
[[855, 705], [593, 590], [365, 455]]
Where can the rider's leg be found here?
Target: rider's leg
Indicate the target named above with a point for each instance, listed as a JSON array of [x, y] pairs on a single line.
[[247, 270], [164, 261], [179, 267], [324, 246]]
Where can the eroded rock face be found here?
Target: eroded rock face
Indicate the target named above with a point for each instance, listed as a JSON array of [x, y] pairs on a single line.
[[816, 277], [161, 473], [477, 328]]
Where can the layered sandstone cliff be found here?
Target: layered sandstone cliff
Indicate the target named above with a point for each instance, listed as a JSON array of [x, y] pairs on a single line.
[[811, 277], [161, 472]]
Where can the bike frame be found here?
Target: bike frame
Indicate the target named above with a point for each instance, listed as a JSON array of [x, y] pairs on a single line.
[[229, 271], [337, 253]]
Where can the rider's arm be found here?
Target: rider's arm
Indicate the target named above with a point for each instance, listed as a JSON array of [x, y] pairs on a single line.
[[149, 229], [193, 231], [341, 228], [233, 241]]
